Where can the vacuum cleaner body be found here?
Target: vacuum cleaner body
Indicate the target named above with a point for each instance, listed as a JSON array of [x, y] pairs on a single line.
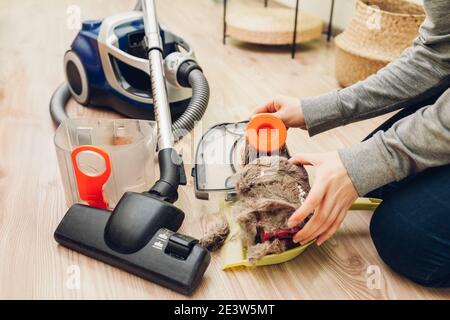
[[107, 66]]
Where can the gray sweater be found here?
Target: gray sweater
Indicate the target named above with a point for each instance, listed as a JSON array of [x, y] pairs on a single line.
[[417, 142]]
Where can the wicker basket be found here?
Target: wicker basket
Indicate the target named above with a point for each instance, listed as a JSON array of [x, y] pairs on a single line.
[[378, 33]]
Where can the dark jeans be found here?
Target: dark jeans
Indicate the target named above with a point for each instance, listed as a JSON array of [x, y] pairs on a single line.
[[411, 228]]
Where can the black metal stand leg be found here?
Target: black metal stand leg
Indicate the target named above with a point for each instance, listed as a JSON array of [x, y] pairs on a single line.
[[224, 40], [294, 40], [330, 23]]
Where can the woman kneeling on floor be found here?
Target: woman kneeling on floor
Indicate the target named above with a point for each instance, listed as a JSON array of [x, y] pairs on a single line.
[[405, 162]]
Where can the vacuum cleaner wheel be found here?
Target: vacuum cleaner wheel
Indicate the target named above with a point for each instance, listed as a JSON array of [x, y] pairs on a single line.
[[76, 77]]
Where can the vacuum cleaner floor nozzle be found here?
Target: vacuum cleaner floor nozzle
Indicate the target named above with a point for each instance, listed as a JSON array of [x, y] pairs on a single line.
[[136, 219], [169, 259]]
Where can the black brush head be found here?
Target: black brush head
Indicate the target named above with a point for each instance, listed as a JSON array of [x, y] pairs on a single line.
[[167, 258]]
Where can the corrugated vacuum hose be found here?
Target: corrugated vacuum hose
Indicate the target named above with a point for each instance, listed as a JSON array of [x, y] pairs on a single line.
[[197, 106], [182, 126]]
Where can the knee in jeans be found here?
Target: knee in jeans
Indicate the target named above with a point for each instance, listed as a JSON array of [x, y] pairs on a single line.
[[431, 282], [392, 247], [380, 232]]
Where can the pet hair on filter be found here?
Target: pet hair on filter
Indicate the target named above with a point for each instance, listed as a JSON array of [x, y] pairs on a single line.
[[269, 190]]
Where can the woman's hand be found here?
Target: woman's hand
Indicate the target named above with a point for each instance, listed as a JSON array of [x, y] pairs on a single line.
[[288, 109], [330, 198]]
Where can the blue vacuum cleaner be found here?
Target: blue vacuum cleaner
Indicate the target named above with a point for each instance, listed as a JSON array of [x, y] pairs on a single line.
[[128, 63], [107, 66]]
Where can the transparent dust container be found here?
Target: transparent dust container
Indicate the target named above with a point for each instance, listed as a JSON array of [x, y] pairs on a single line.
[[101, 159]]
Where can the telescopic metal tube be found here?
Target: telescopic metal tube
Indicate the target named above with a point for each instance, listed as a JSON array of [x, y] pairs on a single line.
[[158, 82]]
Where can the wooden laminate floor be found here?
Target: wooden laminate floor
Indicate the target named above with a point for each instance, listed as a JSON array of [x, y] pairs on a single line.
[[33, 39]]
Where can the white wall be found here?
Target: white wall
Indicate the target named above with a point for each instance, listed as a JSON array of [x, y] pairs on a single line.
[[343, 9]]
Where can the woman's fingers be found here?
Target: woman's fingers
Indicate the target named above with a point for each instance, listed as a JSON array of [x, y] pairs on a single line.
[[313, 201], [346, 203], [334, 209], [306, 159], [262, 109], [319, 220], [315, 196], [269, 107], [301, 214], [336, 224], [330, 197]]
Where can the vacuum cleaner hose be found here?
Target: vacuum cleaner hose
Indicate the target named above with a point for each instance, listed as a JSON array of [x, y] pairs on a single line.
[[197, 106], [58, 103], [182, 126]]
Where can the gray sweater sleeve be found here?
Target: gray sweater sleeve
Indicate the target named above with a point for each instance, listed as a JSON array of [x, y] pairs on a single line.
[[417, 142], [419, 70], [414, 76]]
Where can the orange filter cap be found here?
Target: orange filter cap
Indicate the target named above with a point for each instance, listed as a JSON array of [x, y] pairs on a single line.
[[266, 133]]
